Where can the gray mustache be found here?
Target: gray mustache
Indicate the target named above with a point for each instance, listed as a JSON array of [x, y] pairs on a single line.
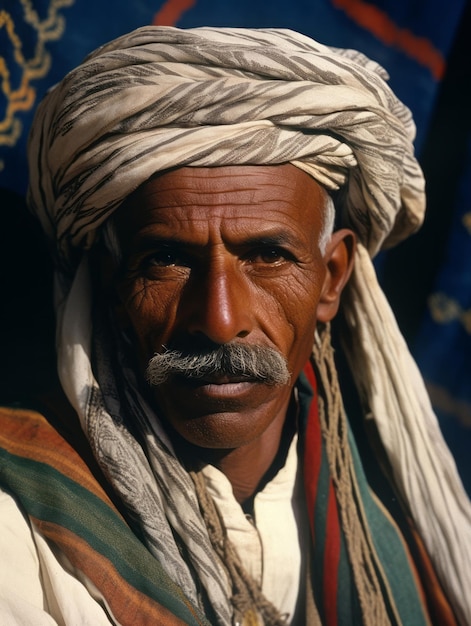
[[255, 363]]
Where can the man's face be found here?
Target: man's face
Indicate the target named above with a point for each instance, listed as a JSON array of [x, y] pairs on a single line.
[[223, 255]]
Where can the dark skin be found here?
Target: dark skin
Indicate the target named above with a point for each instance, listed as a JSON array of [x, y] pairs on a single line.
[[228, 254]]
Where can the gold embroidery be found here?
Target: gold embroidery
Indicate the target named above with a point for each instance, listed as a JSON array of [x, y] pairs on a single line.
[[23, 97], [444, 401], [467, 222], [445, 310]]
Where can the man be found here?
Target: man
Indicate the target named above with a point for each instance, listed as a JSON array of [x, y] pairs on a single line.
[[201, 467]]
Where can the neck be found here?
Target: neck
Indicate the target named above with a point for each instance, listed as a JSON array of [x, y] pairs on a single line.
[[249, 467]]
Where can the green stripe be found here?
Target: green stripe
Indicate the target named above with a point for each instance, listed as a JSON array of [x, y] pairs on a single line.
[[48, 495], [391, 552], [348, 605]]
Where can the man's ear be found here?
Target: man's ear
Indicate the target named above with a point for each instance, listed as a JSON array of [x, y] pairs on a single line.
[[339, 257]]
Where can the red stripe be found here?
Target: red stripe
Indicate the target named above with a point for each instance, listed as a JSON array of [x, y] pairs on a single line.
[[171, 12], [331, 559], [313, 450], [29, 435], [379, 24]]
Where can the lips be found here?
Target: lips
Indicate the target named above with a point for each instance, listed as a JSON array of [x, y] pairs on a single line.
[[214, 386], [215, 379], [215, 393]]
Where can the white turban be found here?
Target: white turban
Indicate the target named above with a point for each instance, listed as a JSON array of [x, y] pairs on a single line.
[[162, 97]]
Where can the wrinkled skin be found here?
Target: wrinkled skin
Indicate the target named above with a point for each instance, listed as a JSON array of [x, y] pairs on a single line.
[[228, 254]]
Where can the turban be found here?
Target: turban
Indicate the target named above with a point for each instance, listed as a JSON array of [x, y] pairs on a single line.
[[162, 97]]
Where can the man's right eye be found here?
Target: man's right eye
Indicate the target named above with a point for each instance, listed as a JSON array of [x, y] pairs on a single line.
[[167, 257], [163, 259]]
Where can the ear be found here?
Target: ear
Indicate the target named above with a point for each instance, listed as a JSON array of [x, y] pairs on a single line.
[[339, 257]]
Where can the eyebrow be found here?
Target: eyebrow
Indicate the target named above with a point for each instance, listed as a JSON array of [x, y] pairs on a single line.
[[281, 238], [275, 239]]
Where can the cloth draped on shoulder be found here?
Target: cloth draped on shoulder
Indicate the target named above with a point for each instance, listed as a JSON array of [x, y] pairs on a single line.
[[68, 505], [67, 500], [163, 97]]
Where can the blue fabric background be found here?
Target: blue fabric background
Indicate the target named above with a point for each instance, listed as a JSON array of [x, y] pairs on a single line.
[[422, 44]]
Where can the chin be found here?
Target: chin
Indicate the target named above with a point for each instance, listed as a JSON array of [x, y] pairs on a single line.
[[223, 417], [219, 431]]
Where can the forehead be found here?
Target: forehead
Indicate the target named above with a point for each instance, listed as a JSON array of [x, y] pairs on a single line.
[[237, 195]]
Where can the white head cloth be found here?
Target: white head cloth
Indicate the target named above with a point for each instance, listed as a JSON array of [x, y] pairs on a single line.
[[162, 97]]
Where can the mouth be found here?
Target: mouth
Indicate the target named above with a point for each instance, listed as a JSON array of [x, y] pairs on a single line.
[[215, 393], [216, 386], [216, 400], [218, 379]]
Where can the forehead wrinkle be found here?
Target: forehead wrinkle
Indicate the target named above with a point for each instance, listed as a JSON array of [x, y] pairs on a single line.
[[248, 230], [202, 180], [238, 203], [197, 210], [187, 197]]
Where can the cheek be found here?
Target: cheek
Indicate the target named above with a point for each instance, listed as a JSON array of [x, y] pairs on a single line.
[[291, 315], [304, 325], [150, 311]]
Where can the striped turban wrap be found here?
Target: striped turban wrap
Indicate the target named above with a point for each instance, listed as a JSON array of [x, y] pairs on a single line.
[[162, 97]]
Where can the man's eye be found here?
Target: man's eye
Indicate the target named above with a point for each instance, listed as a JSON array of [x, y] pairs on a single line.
[[166, 258], [269, 255]]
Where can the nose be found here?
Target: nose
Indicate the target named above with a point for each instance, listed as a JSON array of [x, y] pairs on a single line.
[[219, 303]]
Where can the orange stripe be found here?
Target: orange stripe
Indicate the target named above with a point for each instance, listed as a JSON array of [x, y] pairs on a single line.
[[438, 603], [171, 12], [29, 435], [128, 605], [381, 26]]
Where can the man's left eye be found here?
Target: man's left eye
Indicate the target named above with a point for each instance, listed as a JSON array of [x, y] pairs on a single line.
[[269, 256]]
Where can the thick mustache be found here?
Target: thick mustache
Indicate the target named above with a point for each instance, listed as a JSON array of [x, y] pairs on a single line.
[[254, 363]]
